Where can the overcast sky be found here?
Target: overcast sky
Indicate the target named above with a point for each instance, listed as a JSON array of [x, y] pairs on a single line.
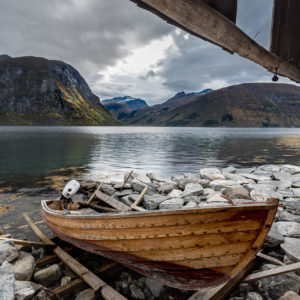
[[121, 49]]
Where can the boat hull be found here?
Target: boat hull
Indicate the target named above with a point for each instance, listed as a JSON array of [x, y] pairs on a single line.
[[186, 249]]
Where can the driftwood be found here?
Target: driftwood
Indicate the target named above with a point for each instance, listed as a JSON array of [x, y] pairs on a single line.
[[97, 284], [30, 243], [273, 272], [125, 181], [112, 202], [140, 197], [94, 194], [270, 259]]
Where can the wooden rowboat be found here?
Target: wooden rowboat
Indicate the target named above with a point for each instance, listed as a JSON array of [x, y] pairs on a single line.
[[186, 248]]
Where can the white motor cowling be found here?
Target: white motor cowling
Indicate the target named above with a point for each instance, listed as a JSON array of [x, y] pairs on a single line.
[[70, 189]]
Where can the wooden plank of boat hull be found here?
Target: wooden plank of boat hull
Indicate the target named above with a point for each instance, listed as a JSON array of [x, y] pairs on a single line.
[[181, 242], [93, 233], [175, 219]]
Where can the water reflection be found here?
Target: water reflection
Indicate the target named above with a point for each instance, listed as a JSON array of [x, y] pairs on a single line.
[[35, 152]]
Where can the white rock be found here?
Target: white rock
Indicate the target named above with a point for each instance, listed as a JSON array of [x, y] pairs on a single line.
[[291, 248], [293, 205], [24, 266], [269, 168], [213, 204], [211, 174], [286, 216], [174, 193], [229, 169], [7, 281], [256, 177], [290, 229], [174, 203], [153, 201], [217, 185], [262, 196], [296, 193], [216, 198], [290, 169], [191, 204], [8, 251], [158, 177], [25, 289], [192, 189]]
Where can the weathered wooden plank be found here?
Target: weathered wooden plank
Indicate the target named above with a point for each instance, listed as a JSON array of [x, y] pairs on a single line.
[[227, 8], [90, 278], [273, 272], [204, 21], [285, 41], [125, 181], [112, 202], [270, 259], [140, 197], [94, 194], [24, 242]]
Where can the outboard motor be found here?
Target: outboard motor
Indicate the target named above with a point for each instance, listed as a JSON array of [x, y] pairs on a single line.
[[70, 189]]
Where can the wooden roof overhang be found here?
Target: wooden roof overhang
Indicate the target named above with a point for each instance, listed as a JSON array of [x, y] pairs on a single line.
[[214, 21]]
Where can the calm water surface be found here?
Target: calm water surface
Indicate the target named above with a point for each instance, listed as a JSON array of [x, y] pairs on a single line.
[[31, 153]]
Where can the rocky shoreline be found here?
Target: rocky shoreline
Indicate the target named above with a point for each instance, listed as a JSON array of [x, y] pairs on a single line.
[[20, 278]]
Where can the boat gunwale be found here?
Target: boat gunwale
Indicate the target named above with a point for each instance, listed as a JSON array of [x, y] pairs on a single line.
[[268, 205]]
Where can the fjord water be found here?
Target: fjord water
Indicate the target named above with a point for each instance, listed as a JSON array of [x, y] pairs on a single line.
[[28, 154]]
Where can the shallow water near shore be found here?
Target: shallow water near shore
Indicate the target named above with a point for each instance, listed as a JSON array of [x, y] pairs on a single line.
[[29, 155]]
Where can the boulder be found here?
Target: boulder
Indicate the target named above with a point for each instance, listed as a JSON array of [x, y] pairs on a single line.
[[24, 266], [181, 181], [126, 200], [291, 248], [158, 177], [254, 296], [138, 186], [87, 294], [268, 168], [194, 199], [229, 169], [256, 177], [282, 176], [274, 238], [192, 189], [292, 205], [125, 192], [108, 189], [48, 276], [211, 174], [8, 251], [174, 193], [262, 196], [290, 295], [118, 186], [296, 192], [166, 187], [154, 286], [217, 185], [286, 193], [7, 281], [236, 193], [290, 169], [25, 289], [174, 203], [286, 216], [216, 198], [277, 286], [245, 170], [290, 229], [153, 201], [190, 205], [204, 182]]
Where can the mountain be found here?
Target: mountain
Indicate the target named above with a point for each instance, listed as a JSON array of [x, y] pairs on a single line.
[[120, 106], [38, 91], [243, 105]]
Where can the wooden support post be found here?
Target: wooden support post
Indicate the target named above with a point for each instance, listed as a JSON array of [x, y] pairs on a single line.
[[90, 278], [94, 194], [273, 272], [125, 181], [204, 21]]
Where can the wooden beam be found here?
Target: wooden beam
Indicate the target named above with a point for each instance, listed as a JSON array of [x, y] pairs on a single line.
[[140, 197], [273, 272], [90, 278], [112, 202], [23, 242], [94, 194], [270, 259], [202, 20]]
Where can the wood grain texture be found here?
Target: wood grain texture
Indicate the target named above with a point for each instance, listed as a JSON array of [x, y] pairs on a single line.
[[189, 249]]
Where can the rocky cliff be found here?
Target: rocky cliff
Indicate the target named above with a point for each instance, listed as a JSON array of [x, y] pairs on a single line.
[[37, 91], [244, 105]]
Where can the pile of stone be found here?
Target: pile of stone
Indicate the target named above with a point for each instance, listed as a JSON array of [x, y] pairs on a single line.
[[242, 185], [20, 279]]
